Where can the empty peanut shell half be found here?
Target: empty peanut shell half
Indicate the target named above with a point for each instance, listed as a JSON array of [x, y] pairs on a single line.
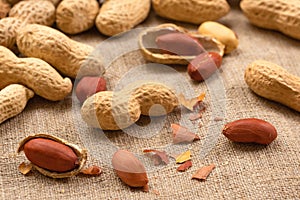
[[152, 52]]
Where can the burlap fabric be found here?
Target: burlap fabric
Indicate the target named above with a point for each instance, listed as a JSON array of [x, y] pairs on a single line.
[[243, 171]]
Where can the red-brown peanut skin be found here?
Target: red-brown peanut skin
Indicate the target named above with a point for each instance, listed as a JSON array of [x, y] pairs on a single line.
[[179, 44], [129, 169], [88, 86], [51, 155], [204, 65], [250, 130]]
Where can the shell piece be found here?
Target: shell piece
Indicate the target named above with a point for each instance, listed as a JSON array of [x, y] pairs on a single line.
[[194, 12], [152, 53], [66, 55], [117, 16], [34, 12], [35, 73], [273, 82], [76, 16], [8, 31], [280, 15], [81, 153], [13, 100]]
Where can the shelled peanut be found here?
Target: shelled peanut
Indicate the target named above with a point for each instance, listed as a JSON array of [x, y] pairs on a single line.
[[123, 108], [76, 16], [222, 33], [250, 130], [34, 73], [66, 55], [117, 16], [53, 156], [280, 15], [13, 99], [194, 12], [273, 82]]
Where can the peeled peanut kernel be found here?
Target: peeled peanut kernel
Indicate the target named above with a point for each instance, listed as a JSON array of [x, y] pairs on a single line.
[[222, 33], [179, 43], [250, 130], [204, 65], [88, 86], [130, 170]]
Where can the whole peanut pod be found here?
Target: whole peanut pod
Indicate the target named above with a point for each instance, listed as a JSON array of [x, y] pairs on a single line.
[[66, 55], [130, 170], [117, 16], [35, 73], [273, 82], [4, 8], [53, 156], [34, 11], [123, 108], [13, 100], [250, 130], [76, 16], [8, 32]]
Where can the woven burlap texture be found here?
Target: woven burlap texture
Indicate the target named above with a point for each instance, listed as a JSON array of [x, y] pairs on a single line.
[[243, 171]]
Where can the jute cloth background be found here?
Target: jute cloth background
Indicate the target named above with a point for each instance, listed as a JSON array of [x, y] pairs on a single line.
[[243, 171]]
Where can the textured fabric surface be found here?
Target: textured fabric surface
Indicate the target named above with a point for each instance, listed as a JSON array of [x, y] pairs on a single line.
[[243, 171]]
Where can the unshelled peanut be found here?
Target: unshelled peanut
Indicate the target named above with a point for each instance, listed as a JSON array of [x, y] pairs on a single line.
[[117, 16], [280, 15], [194, 12], [76, 16], [13, 100], [123, 108], [273, 82], [34, 73], [66, 55]]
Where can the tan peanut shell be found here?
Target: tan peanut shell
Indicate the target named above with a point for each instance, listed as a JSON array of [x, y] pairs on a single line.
[[273, 82], [81, 153], [117, 16], [194, 12], [222, 33], [8, 32], [54, 47], [76, 16], [54, 2], [13, 100], [110, 110], [280, 15], [150, 51], [4, 8], [34, 73], [34, 11]]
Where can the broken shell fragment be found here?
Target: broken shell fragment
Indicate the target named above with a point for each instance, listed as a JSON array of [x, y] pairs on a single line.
[[43, 148], [151, 51]]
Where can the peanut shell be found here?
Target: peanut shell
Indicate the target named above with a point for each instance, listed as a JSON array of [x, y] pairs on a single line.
[[13, 100], [76, 16], [117, 16], [151, 52], [280, 15], [194, 12], [273, 82], [35, 73], [66, 55], [34, 12]]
